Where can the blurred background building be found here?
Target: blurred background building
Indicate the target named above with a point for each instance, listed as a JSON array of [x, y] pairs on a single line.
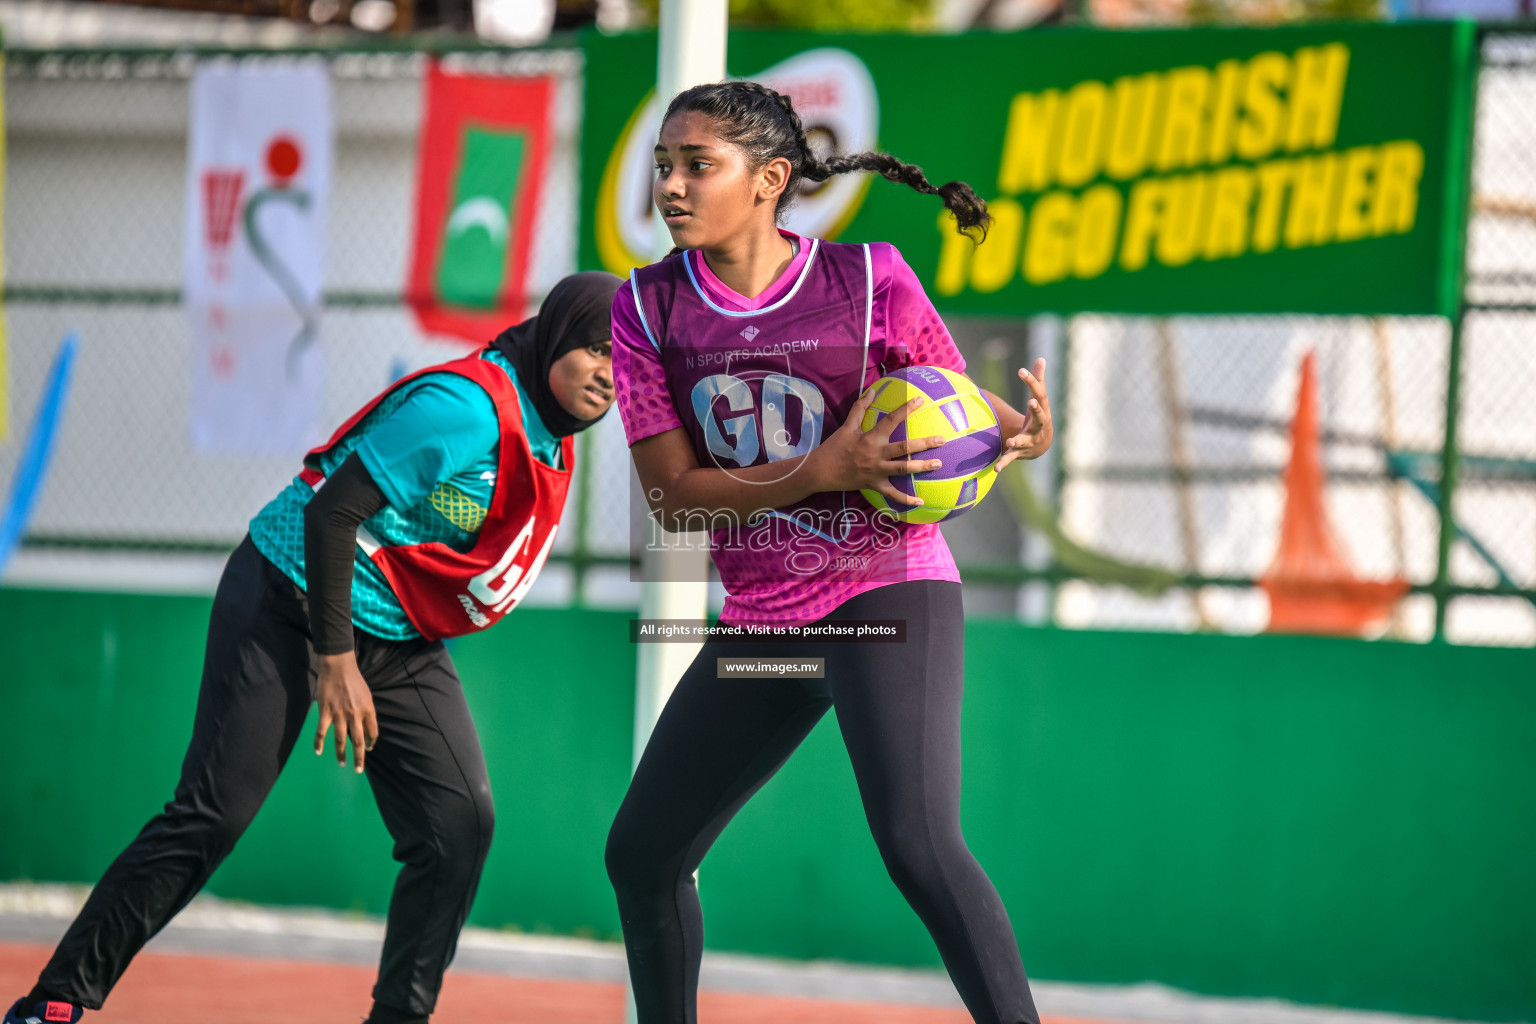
[[285, 22]]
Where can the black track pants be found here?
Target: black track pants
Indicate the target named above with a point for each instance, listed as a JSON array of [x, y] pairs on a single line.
[[719, 740], [427, 774]]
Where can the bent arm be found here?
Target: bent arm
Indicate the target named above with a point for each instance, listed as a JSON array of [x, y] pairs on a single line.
[[1009, 419], [331, 519], [676, 485]]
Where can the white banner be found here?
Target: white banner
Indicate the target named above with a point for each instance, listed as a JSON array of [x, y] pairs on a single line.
[[258, 187]]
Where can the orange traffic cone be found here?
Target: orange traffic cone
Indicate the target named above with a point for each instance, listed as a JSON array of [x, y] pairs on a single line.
[[1310, 586]]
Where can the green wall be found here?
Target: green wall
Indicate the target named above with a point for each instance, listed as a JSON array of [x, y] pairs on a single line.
[[1326, 821]]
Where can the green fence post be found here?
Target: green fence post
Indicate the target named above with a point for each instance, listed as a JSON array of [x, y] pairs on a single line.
[[1453, 290], [582, 547], [1450, 465], [1059, 416]]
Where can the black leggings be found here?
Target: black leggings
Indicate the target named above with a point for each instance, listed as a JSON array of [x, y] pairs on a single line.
[[719, 740], [427, 773]]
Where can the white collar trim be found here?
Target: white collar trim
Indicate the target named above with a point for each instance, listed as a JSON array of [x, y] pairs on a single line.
[[804, 272]]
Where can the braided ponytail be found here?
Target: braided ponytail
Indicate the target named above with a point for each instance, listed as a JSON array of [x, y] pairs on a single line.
[[960, 199], [765, 125]]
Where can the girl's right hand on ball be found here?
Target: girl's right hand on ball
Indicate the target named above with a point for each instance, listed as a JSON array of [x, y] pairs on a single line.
[[855, 459]]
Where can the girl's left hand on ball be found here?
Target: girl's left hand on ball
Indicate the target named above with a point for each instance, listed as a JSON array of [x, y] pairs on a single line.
[[1034, 437]]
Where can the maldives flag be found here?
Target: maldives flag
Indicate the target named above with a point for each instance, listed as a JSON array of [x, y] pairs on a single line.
[[484, 144]]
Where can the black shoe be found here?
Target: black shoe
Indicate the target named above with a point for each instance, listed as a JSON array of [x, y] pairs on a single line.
[[47, 1011]]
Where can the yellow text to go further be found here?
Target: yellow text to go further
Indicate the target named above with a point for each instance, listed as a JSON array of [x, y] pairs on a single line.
[[1291, 203]]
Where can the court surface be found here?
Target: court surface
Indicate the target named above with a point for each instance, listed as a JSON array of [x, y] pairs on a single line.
[[234, 963]]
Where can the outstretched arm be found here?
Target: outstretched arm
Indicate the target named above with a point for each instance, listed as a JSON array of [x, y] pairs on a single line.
[[347, 498], [444, 426]]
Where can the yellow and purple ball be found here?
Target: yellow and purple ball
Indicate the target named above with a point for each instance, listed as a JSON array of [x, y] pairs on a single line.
[[954, 409]]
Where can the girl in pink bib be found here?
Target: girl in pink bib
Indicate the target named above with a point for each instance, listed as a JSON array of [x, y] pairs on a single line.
[[740, 361]]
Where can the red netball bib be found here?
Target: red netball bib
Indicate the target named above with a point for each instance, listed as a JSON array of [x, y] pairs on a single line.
[[449, 593]]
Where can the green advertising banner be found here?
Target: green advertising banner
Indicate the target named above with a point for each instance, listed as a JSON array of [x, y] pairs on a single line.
[[1319, 169]]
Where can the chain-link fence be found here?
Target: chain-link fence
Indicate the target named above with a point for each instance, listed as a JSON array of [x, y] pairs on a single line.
[[95, 180], [1178, 438], [1159, 507]]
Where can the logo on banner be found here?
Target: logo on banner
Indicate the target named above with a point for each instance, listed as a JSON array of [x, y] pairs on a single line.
[[834, 94], [224, 210], [483, 147], [284, 158], [259, 147], [222, 187]]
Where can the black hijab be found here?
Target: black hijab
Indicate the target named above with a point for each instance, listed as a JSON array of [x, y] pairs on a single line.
[[574, 314]]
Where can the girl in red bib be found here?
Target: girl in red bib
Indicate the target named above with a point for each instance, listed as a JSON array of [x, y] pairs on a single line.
[[427, 515]]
